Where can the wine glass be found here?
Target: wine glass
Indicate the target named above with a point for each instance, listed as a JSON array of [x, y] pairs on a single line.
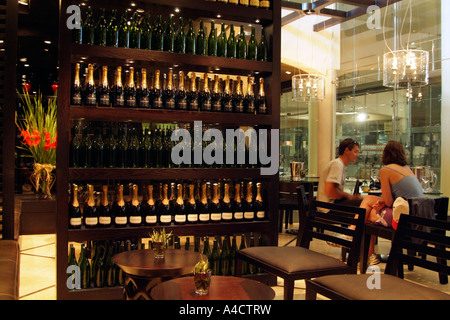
[[375, 176], [426, 177]]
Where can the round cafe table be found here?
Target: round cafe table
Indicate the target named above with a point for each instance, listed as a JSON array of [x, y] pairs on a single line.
[[143, 271], [221, 288]]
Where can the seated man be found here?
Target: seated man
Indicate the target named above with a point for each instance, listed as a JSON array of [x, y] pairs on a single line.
[[332, 179]]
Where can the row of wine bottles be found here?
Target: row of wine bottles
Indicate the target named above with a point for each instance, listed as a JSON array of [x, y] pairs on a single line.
[[252, 3], [135, 147], [97, 269], [165, 209], [139, 94], [139, 32]]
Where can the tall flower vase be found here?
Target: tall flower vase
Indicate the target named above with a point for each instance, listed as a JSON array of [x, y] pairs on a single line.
[[43, 179]]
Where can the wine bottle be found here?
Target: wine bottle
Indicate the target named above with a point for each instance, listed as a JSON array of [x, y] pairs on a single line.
[[75, 148], [254, 3], [238, 210], [90, 91], [85, 268], [135, 32], [216, 98], [222, 42], [169, 38], [192, 96], [231, 43], [215, 207], [135, 216], [196, 244], [202, 41], [225, 257], [181, 96], [100, 268], [145, 147], [180, 208], [249, 212], [212, 41], [258, 204], [180, 38], [133, 149], [263, 48], [191, 39], [146, 33], [249, 100], [90, 213], [265, 4], [124, 32], [103, 89], [72, 261], [169, 93], [110, 272], [143, 94], [118, 90], [157, 149], [110, 149], [150, 212], [165, 216], [130, 90], [112, 30], [167, 148], [100, 29], [238, 98], [187, 244], [88, 28], [204, 212], [227, 210], [242, 246], [252, 46], [157, 102], [191, 207], [157, 35], [121, 150], [227, 103], [233, 250], [214, 259], [98, 149], [243, 3], [104, 210], [242, 45], [261, 98], [74, 209], [233, 1], [119, 210], [205, 95], [86, 149], [206, 249], [77, 92]]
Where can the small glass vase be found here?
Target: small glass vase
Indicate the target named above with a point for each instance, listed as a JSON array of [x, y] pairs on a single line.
[[43, 179], [159, 248], [202, 280]]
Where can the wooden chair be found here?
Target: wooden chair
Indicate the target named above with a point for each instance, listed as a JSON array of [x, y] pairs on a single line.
[[387, 286], [299, 262], [371, 229]]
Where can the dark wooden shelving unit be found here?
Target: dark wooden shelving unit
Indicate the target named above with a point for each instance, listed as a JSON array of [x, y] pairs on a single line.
[[67, 113]]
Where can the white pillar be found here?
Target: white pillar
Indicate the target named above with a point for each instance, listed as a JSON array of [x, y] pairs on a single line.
[[445, 105]]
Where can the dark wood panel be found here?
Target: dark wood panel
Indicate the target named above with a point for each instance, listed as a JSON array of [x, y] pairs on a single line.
[[152, 115]]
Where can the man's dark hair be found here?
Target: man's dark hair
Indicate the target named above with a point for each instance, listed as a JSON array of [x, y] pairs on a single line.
[[347, 143]]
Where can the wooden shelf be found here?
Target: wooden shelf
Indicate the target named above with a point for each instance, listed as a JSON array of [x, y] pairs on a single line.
[[137, 174], [222, 228], [170, 116], [112, 56]]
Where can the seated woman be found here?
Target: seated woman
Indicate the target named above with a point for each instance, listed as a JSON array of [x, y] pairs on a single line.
[[397, 180]]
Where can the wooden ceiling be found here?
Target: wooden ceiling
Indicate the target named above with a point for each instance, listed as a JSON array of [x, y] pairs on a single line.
[[324, 8]]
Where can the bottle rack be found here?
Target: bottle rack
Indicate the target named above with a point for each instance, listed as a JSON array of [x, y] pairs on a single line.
[[71, 53]]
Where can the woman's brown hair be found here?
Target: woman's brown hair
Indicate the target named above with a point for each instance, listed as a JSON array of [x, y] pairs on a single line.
[[394, 153]]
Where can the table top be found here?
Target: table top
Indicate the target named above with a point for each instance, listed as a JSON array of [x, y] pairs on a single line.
[[143, 263], [221, 288]]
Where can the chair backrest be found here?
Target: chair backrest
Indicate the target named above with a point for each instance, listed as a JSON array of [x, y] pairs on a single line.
[[332, 226], [410, 235], [288, 190]]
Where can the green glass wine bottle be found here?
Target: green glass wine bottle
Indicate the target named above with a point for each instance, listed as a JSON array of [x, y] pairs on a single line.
[[231, 43], [180, 38], [72, 261], [135, 32], [222, 43], [202, 41], [146, 32], [191, 39], [242, 45], [169, 38], [157, 35], [110, 149], [124, 32], [85, 268], [214, 259], [212, 41], [100, 35], [252, 46], [121, 150], [88, 28], [263, 48], [112, 30]]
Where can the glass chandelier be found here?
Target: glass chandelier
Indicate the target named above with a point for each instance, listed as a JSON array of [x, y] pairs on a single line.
[[404, 68], [307, 87]]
